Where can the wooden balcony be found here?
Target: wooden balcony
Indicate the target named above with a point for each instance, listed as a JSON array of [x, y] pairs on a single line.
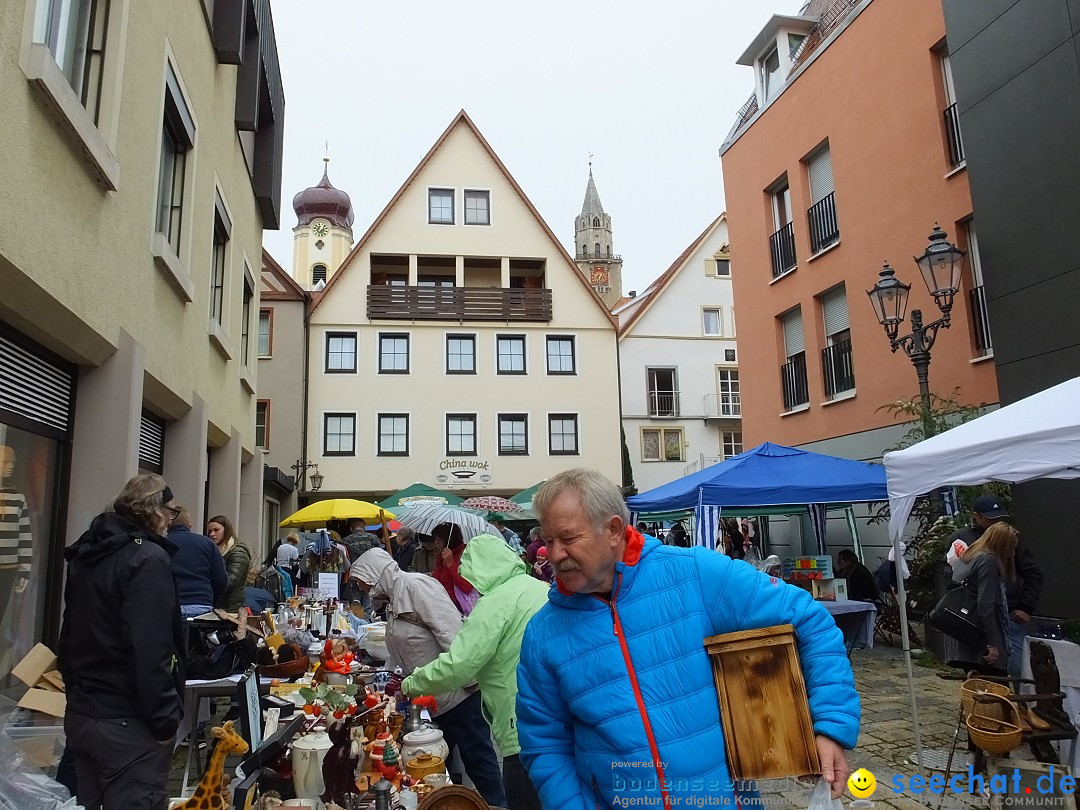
[[396, 303]]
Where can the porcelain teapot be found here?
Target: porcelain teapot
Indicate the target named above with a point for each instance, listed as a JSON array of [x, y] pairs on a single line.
[[426, 740], [308, 753]]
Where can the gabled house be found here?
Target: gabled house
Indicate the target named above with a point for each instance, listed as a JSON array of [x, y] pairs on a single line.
[[279, 409], [680, 376], [458, 343]]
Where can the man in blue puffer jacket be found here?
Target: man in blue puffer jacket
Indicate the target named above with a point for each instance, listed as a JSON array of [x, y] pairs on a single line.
[[616, 700]]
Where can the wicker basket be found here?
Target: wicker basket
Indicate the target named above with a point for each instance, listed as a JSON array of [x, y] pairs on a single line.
[[994, 724], [976, 686]]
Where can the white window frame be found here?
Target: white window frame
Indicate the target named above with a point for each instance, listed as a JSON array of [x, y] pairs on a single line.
[[732, 448], [719, 321], [733, 392]]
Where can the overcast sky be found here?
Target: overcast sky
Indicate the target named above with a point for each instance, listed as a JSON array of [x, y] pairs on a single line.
[[650, 89]]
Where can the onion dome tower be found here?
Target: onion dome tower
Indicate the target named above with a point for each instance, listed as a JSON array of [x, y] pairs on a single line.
[[323, 234]]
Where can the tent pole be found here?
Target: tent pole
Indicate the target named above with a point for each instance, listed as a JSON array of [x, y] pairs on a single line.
[[853, 529], [901, 598]]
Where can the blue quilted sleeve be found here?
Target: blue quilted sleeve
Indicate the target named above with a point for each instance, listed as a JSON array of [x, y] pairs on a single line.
[[739, 597], [545, 732]]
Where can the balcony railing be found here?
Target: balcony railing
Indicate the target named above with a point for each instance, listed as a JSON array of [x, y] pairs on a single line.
[[952, 135], [701, 464], [457, 304], [719, 406], [838, 369], [782, 248], [824, 230], [663, 403], [793, 381], [980, 320]]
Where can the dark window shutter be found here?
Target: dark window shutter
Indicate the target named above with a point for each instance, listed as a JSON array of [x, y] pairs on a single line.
[[151, 443], [35, 388]]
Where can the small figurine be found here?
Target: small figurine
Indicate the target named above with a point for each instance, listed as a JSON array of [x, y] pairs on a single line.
[[336, 656]]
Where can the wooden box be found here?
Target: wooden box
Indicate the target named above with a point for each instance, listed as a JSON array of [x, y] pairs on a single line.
[[768, 733]]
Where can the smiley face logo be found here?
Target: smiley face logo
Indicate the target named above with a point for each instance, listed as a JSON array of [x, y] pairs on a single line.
[[862, 784]]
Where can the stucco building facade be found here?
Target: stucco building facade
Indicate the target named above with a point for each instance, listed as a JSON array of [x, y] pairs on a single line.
[[141, 163], [679, 371], [458, 344], [845, 157]]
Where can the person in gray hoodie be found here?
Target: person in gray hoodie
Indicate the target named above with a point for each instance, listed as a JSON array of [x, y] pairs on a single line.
[[421, 623]]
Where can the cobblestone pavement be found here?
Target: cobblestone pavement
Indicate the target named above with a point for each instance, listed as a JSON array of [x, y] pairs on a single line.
[[885, 743], [886, 739]]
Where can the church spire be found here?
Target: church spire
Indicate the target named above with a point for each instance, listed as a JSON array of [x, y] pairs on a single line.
[[592, 204], [594, 250]]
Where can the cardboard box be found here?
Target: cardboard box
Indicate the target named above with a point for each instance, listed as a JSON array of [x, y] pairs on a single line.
[[36, 663], [42, 700]]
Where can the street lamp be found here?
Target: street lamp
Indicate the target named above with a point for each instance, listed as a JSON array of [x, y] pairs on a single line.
[[941, 265], [301, 467]]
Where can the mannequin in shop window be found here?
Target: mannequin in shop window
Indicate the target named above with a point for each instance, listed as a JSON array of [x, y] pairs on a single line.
[[16, 548]]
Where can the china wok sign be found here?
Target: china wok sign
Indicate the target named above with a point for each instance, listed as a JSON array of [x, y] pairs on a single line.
[[462, 472]]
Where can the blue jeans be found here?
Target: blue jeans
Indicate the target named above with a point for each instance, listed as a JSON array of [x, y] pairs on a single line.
[[1017, 632], [191, 611]]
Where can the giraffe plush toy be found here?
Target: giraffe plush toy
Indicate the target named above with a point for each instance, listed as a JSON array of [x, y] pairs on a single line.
[[209, 794]]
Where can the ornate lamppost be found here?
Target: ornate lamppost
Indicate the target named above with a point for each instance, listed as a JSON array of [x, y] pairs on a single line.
[[941, 265], [301, 467]]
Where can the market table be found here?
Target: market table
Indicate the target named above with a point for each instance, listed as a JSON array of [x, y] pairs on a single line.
[[855, 620], [1067, 658]]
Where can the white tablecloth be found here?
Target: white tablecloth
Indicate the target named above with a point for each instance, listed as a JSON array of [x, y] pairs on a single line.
[[855, 619], [1067, 657]]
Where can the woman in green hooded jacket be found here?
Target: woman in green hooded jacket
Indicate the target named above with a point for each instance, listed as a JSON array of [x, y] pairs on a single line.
[[486, 650]]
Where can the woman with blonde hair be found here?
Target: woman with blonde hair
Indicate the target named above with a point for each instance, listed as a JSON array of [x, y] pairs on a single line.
[[121, 647], [237, 561], [984, 569]]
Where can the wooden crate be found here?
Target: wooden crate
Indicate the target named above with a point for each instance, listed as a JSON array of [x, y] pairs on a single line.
[[768, 733]]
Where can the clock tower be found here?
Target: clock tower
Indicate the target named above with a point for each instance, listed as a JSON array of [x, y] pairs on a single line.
[[323, 234], [593, 248]]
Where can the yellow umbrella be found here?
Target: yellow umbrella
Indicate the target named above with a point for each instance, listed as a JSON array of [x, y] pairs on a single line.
[[336, 509]]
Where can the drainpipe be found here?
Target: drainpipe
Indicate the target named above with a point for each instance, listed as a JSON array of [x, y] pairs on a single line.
[[301, 473]]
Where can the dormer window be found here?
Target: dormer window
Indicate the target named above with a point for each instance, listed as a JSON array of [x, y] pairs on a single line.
[[770, 73], [772, 53]]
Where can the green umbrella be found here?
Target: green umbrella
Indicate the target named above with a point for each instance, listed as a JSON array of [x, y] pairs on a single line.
[[418, 494]]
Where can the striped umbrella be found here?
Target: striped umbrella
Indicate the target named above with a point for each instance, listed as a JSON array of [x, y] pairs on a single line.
[[491, 503], [423, 519]]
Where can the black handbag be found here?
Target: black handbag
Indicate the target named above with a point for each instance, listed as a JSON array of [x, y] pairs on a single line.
[[956, 615], [214, 651]]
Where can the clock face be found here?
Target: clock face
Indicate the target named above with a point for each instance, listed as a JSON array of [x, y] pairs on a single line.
[[320, 228], [599, 277]]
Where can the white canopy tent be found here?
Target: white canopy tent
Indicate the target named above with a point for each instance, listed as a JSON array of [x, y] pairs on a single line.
[[1037, 437]]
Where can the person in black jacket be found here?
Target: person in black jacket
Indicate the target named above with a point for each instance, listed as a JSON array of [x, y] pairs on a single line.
[[1023, 590], [121, 651], [860, 582]]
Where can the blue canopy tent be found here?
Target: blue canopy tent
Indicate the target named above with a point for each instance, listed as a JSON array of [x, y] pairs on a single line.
[[770, 475]]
